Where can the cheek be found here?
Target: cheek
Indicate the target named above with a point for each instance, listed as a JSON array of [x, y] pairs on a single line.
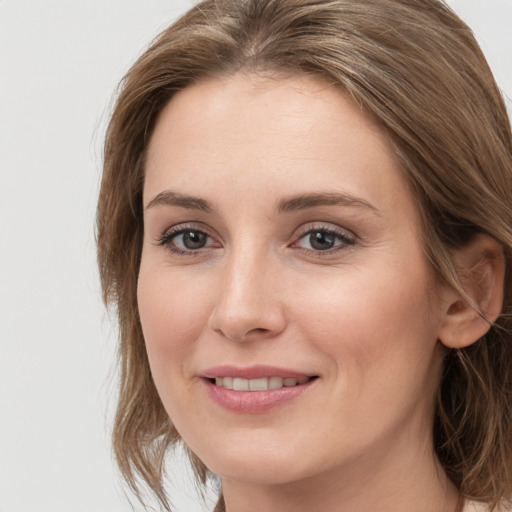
[[374, 323], [379, 335], [173, 314]]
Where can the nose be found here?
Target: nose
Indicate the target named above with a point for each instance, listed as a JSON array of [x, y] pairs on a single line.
[[249, 303]]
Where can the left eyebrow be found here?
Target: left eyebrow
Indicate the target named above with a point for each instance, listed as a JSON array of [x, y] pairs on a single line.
[[305, 201]]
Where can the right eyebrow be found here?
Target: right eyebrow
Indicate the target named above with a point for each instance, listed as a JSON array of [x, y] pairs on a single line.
[[170, 198]]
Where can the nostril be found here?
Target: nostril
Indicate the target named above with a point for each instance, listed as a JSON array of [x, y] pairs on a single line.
[[257, 330]]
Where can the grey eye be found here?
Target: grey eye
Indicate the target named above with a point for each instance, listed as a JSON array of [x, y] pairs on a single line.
[[190, 239], [321, 240]]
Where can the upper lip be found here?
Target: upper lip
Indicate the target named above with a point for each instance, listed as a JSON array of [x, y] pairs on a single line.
[[252, 372]]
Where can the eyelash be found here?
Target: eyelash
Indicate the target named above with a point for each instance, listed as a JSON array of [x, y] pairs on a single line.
[[166, 240], [347, 239]]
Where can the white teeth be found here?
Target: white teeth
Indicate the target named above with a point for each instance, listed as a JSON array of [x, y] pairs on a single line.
[[275, 382], [240, 384], [226, 382], [262, 384], [258, 384]]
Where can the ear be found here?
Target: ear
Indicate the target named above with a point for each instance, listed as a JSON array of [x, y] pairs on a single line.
[[481, 268]]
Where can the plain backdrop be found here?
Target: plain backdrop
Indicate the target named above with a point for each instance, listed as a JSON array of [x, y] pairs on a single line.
[[60, 62]]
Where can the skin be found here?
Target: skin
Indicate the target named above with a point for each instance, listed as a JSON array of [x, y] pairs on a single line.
[[364, 316]]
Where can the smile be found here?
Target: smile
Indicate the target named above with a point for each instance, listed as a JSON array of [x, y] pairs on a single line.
[[256, 389], [262, 384]]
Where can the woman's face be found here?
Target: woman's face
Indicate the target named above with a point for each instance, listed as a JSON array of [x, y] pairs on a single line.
[[282, 250]]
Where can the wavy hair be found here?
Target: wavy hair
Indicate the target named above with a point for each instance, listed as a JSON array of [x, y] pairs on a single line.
[[416, 68]]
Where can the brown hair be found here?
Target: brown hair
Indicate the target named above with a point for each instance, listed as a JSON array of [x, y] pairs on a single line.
[[417, 69]]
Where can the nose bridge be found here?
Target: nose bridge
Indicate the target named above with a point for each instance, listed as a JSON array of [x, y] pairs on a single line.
[[248, 304]]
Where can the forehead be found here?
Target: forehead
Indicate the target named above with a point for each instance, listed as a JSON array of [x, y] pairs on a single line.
[[263, 134]]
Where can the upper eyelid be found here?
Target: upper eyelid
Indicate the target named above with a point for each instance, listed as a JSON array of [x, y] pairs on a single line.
[[182, 226], [166, 240], [297, 233], [164, 237], [330, 227]]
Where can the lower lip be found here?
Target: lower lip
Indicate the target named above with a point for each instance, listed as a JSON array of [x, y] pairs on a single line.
[[254, 401]]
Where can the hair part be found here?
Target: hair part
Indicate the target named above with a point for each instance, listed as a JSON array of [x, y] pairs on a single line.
[[416, 68]]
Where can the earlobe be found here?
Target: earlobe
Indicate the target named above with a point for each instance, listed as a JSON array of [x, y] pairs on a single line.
[[468, 316]]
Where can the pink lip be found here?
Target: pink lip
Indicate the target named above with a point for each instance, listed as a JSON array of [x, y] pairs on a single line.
[[253, 401], [252, 372]]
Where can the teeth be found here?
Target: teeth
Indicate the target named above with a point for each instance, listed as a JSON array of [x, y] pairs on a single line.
[[226, 382], [275, 382], [258, 384], [262, 384], [240, 384]]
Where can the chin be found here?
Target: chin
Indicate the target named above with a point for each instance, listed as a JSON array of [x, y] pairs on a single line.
[[257, 464], [262, 472]]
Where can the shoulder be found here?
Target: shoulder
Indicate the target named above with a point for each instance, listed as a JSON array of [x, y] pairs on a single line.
[[473, 506]]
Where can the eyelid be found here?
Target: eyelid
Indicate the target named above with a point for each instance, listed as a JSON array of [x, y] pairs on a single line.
[[349, 237], [325, 226], [165, 239], [180, 227]]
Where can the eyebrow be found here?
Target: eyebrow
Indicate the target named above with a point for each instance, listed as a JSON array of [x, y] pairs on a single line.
[[305, 201], [170, 198], [295, 203]]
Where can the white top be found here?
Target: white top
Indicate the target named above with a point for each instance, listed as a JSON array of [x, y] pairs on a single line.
[[473, 506]]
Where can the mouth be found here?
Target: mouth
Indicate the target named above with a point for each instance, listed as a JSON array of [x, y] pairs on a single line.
[[256, 389], [260, 384]]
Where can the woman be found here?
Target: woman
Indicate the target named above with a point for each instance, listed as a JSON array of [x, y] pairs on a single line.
[[305, 224]]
